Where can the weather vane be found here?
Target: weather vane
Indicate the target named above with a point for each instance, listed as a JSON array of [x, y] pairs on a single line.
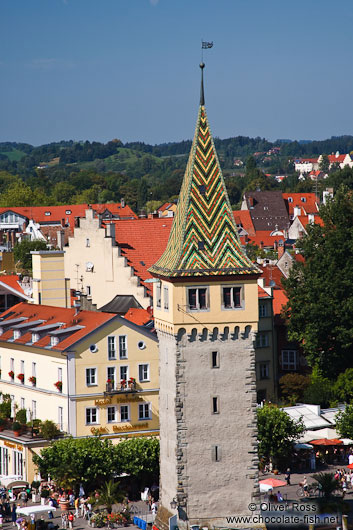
[[205, 46]]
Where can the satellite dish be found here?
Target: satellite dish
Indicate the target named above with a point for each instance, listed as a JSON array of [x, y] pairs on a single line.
[[93, 348]]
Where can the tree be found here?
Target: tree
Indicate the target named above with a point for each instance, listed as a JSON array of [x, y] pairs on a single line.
[[319, 392], [109, 494], [324, 164], [139, 457], [276, 433], [320, 290], [328, 484], [343, 387], [90, 461], [293, 386], [17, 194], [344, 422], [48, 430], [22, 252]]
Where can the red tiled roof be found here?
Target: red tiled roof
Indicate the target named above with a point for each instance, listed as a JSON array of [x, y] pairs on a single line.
[[261, 292], [12, 281], [299, 257], [304, 219], [138, 316], [243, 218], [58, 213], [336, 159], [309, 160], [89, 320], [309, 206], [272, 273], [164, 206], [279, 301], [142, 242], [263, 238]]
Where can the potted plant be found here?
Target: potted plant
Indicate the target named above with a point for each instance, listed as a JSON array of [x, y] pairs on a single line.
[[32, 380], [59, 385], [35, 496], [11, 374], [44, 494], [109, 385], [16, 427], [132, 382], [123, 384], [21, 377]]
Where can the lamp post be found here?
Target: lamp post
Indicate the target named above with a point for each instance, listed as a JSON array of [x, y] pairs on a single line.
[[174, 504]]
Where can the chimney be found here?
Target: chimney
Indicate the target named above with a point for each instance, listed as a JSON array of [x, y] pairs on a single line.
[[122, 202], [297, 211], [110, 230], [77, 306], [60, 239], [281, 249]]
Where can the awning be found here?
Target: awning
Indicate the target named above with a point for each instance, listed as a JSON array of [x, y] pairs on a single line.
[[35, 509], [13, 481], [303, 446], [326, 442]]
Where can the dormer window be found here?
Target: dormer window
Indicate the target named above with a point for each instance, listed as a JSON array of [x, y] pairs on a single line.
[[35, 337], [290, 199], [303, 199], [54, 341], [16, 334], [68, 212], [47, 213]]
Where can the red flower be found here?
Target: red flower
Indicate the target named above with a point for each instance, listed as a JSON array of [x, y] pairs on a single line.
[[32, 380], [21, 377], [59, 385], [109, 381], [11, 374]]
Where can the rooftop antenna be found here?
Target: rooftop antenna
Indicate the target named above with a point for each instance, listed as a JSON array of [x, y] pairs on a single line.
[[204, 46]]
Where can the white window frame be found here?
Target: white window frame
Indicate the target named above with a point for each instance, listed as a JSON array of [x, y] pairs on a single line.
[[144, 405], [12, 364], [128, 413], [111, 350], [197, 308], [289, 359], [122, 354], [34, 410], [165, 297], [23, 403], [144, 370], [34, 369], [91, 409], [61, 418], [159, 295], [232, 306], [91, 375], [113, 368], [127, 372], [115, 420], [22, 367], [60, 374]]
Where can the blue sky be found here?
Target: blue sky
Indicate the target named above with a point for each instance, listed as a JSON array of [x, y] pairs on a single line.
[[128, 69]]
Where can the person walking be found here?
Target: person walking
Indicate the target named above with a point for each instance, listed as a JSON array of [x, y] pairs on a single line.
[[71, 519], [76, 505], [13, 514], [287, 476]]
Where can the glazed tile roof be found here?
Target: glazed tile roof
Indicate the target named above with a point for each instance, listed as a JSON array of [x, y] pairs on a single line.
[[204, 239], [73, 328]]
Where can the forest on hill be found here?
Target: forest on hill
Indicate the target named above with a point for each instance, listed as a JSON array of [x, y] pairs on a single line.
[[146, 175]]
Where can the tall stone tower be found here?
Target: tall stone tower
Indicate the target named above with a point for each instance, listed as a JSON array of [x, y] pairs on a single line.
[[206, 314]]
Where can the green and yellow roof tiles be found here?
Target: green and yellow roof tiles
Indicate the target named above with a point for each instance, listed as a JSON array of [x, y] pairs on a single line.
[[203, 240]]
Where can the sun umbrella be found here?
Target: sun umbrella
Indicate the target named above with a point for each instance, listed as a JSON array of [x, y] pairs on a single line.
[[326, 441], [350, 466], [273, 482]]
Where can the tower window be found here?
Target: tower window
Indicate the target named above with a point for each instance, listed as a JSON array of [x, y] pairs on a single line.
[[197, 298], [232, 297], [215, 405], [202, 189], [201, 245], [216, 453], [215, 359]]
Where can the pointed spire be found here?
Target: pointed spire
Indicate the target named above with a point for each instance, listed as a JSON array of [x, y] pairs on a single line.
[[204, 238], [202, 94]]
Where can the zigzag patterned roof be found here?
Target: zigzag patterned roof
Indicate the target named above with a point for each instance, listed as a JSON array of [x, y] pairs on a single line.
[[204, 239]]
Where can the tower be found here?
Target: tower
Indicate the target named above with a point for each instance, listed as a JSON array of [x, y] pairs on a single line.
[[206, 314]]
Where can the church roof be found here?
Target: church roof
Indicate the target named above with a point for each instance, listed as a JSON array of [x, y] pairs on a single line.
[[204, 239]]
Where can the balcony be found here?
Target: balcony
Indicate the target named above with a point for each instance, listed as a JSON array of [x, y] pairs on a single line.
[[125, 387]]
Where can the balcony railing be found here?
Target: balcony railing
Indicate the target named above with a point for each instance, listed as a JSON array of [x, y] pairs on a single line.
[[121, 388]]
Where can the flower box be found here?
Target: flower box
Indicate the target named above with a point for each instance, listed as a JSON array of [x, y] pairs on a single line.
[[21, 377], [59, 385]]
